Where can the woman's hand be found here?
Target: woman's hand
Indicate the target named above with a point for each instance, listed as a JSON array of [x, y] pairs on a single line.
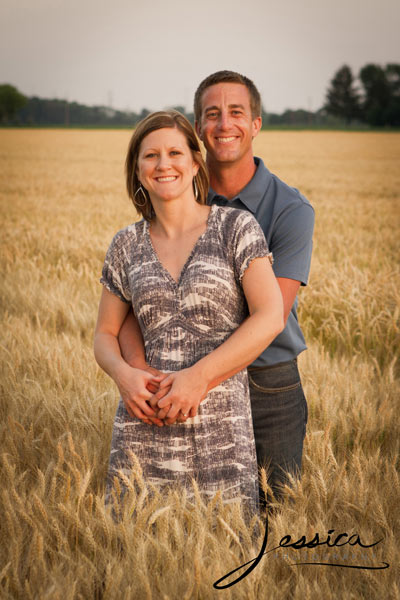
[[187, 390], [133, 385]]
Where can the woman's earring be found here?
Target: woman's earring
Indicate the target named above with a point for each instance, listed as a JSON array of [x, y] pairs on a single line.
[[140, 189], [196, 191]]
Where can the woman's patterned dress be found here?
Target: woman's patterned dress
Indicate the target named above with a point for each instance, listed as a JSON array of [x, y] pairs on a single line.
[[180, 323]]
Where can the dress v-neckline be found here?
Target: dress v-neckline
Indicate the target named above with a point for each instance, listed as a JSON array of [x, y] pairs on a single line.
[[189, 258]]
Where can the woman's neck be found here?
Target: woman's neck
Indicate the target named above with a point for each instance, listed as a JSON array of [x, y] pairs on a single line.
[[174, 218]]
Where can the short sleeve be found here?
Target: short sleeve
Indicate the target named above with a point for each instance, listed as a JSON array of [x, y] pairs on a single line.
[[249, 243], [115, 269], [291, 243]]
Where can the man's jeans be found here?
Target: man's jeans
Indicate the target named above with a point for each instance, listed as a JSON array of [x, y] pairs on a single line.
[[279, 411]]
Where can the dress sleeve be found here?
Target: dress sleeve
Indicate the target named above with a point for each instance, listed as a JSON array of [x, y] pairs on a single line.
[[249, 243], [115, 269]]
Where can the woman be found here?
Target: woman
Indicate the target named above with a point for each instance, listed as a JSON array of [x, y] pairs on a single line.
[[192, 273]]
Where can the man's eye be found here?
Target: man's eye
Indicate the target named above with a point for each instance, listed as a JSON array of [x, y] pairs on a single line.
[[236, 112], [211, 115]]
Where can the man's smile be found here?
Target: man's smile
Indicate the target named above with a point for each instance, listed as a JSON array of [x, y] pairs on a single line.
[[226, 140]]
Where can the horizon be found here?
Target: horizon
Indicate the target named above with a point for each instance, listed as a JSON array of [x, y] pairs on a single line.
[[127, 56]]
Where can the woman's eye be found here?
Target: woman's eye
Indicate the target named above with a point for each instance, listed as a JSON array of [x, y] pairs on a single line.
[[175, 152]]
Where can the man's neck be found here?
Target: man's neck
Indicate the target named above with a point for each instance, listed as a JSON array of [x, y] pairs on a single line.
[[228, 179]]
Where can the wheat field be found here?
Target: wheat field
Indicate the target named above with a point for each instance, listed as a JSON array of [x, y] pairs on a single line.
[[62, 199]]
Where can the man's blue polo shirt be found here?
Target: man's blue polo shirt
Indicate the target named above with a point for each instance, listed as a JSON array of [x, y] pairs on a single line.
[[287, 220]]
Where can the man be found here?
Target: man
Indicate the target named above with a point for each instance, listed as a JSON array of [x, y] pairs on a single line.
[[227, 109]]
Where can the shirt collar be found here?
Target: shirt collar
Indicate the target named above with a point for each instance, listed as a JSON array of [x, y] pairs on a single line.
[[252, 194]]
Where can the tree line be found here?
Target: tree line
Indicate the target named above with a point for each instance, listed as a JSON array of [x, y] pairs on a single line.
[[372, 99], [16, 109]]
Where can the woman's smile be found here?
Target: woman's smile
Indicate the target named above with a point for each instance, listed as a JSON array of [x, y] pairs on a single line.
[[165, 165], [166, 179]]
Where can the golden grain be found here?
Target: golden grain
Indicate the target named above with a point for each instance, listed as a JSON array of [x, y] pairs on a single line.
[[61, 200]]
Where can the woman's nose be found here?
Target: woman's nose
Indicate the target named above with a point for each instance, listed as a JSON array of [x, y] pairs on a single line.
[[163, 161]]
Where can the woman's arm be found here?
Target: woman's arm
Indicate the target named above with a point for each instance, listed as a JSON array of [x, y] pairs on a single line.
[[265, 322], [132, 382]]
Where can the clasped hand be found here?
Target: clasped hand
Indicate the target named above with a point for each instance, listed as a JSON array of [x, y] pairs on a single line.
[[178, 397], [161, 398]]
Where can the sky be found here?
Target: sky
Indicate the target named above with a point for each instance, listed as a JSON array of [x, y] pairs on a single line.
[[131, 54]]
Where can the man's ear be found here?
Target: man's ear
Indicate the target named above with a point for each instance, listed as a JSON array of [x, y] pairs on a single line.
[[198, 129], [257, 123]]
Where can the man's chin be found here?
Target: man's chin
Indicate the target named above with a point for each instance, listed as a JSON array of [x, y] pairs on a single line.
[[226, 157]]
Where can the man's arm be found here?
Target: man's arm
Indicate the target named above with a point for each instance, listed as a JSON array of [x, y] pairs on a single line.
[[132, 382], [291, 246], [289, 289], [131, 342], [132, 350]]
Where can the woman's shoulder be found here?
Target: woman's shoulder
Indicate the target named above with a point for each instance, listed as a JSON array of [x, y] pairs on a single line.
[[126, 242], [234, 219], [130, 233]]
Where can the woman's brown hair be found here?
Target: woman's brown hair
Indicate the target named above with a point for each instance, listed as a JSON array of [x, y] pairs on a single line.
[[160, 120]]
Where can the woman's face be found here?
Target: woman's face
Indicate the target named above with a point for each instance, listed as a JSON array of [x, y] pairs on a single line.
[[165, 165]]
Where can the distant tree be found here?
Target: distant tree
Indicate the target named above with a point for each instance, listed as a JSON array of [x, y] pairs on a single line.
[[182, 110], [143, 113], [392, 73], [11, 101], [342, 97], [377, 95], [296, 117]]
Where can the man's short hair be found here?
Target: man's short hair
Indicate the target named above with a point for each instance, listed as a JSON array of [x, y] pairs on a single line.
[[228, 77]]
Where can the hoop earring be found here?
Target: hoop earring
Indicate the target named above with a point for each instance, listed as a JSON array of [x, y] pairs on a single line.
[[140, 189], [195, 188]]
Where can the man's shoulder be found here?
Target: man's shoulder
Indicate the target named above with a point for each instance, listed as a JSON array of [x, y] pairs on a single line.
[[285, 196], [279, 192], [290, 192]]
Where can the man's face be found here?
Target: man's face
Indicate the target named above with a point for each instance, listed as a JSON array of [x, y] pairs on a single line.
[[226, 126]]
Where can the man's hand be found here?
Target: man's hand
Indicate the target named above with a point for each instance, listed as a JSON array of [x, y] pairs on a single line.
[[185, 392], [158, 394], [133, 386], [153, 386]]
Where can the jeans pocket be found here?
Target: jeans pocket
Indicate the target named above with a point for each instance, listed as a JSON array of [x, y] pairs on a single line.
[[274, 390]]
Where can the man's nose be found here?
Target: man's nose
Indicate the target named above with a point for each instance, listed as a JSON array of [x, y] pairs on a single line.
[[224, 120]]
